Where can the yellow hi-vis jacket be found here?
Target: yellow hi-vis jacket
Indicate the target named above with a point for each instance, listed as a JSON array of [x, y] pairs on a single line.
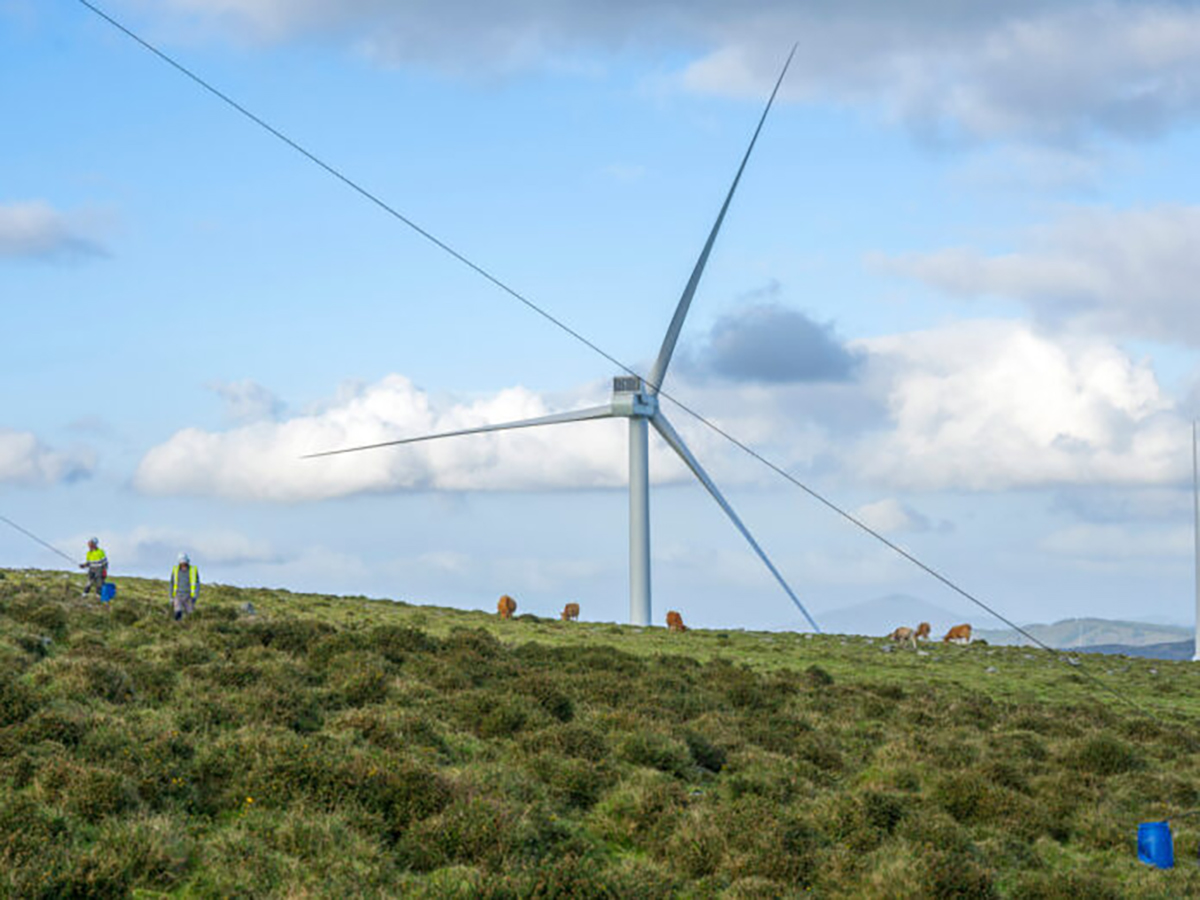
[[96, 560], [193, 578]]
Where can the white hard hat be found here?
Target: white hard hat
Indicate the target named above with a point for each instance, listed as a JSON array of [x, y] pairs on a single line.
[[183, 558], [93, 540]]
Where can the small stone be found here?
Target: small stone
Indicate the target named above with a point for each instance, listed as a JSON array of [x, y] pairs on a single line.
[[885, 649], [991, 670], [922, 653]]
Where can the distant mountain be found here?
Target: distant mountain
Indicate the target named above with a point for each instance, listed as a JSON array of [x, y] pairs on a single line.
[[1176, 650], [1085, 634], [881, 616]]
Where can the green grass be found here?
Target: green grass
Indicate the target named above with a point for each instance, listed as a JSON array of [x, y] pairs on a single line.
[[341, 746]]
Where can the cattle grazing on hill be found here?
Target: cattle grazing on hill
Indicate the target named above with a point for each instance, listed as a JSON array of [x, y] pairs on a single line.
[[570, 612], [923, 631], [902, 634], [958, 633], [506, 606], [675, 622]]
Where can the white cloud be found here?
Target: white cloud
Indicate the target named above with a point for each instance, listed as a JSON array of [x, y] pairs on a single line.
[[27, 461], [1043, 71], [1049, 70], [1121, 272], [262, 461], [991, 405], [34, 229], [973, 405], [978, 405]]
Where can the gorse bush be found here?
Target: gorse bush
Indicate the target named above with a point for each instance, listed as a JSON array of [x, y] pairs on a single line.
[[300, 746]]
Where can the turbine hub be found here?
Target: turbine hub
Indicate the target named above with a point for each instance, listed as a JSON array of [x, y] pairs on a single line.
[[630, 398]]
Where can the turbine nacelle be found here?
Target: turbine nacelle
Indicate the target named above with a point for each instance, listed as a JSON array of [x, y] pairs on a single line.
[[631, 400]]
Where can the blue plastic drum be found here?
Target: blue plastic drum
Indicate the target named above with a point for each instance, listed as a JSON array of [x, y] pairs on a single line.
[[1154, 844], [108, 592]]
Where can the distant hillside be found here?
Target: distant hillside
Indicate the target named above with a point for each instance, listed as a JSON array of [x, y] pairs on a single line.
[[1092, 633], [1177, 650], [880, 616]]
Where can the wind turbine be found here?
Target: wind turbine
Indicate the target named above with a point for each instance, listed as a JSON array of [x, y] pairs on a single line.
[[637, 401], [1196, 537]]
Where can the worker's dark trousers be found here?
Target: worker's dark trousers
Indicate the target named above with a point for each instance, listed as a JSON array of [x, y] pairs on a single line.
[[95, 580]]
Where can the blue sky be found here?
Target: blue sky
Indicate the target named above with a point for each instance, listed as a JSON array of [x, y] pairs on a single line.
[[952, 293]]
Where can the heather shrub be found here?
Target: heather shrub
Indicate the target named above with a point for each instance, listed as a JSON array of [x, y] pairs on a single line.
[[495, 714], [704, 752], [290, 635], [548, 696], [647, 747], [573, 782], [89, 791], [154, 851], [472, 829], [359, 678], [63, 724], [17, 701], [1064, 886], [817, 677], [570, 740], [82, 679], [641, 811], [394, 642], [1104, 755]]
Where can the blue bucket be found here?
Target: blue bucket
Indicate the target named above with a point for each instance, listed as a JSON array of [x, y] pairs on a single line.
[[108, 592], [1154, 844]]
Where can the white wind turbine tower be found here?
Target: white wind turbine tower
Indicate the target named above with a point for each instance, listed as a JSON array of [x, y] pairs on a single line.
[[1196, 538], [637, 401]]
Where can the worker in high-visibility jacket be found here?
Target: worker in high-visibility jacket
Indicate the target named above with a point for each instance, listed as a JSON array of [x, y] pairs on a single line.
[[97, 568], [185, 587]]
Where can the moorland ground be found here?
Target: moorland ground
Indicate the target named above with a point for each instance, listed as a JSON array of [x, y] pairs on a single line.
[[326, 746]]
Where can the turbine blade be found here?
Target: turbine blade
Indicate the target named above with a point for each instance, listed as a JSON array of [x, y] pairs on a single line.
[[672, 437], [579, 415], [659, 372]]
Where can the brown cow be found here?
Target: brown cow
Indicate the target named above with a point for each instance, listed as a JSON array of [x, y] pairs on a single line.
[[923, 631], [958, 633], [902, 634], [570, 612], [675, 622], [506, 606]]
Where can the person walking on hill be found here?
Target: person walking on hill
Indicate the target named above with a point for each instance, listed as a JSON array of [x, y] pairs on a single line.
[[185, 587], [97, 568]]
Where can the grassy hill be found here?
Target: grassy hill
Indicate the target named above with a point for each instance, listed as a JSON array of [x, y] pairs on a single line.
[[1087, 633], [340, 746]]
